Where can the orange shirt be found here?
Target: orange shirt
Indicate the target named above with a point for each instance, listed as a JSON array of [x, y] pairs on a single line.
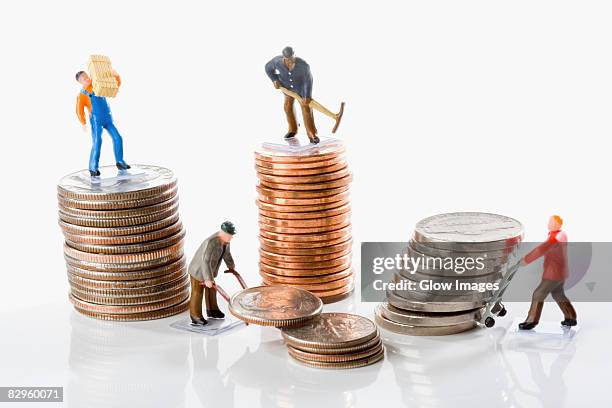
[[84, 102]]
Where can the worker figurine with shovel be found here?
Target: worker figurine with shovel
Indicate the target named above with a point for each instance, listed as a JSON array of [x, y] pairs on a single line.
[[292, 76], [203, 270]]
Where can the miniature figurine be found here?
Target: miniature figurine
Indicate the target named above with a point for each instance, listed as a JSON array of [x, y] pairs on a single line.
[[203, 270], [99, 113], [554, 250], [292, 76]]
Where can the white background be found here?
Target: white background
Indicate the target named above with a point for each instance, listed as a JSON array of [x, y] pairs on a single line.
[[451, 105]]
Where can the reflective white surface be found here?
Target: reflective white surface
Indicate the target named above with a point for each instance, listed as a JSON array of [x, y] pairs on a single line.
[[149, 364]]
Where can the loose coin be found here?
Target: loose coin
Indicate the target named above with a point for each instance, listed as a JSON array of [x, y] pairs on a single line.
[[277, 306]]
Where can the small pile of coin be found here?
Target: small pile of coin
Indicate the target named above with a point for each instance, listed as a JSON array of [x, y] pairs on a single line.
[[323, 340], [304, 219], [490, 240], [124, 243]]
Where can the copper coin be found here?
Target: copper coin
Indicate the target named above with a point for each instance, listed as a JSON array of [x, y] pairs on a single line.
[[341, 182], [127, 309], [125, 239], [324, 236], [306, 223], [306, 215], [175, 294], [102, 274], [118, 231], [127, 317], [127, 284], [118, 222], [277, 306], [123, 258], [301, 208], [280, 279], [317, 153], [117, 205], [338, 297], [307, 265], [326, 286], [338, 159], [115, 214], [306, 230], [307, 259], [373, 342], [129, 249], [303, 272], [341, 165], [306, 179], [345, 364], [117, 292], [125, 267], [278, 246], [335, 357], [309, 251], [304, 201], [270, 193], [334, 292]]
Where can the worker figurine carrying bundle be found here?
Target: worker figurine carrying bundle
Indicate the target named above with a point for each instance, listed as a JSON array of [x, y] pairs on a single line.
[[104, 82], [292, 76]]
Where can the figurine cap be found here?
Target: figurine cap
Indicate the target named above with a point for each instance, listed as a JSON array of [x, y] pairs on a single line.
[[288, 52], [228, 227]]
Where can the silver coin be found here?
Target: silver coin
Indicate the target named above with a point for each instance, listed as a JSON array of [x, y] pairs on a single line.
[[435, 295], [428, 306], [411, 330], [469, 231], [427, 319], [116, 185], [444, 253], [468, 286], [443, 265]]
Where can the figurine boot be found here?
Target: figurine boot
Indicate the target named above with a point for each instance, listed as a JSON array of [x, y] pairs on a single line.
[[289, 135], [198, 321], [569, 314], [94, 173], [533, 317], [215, 314], [123, 166]]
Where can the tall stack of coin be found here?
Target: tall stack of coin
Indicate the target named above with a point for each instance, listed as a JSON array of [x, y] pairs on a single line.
[[490, 240], [124, 243], [304, 219], [335, 340]]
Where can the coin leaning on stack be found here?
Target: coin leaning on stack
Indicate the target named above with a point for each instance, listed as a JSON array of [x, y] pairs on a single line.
[[492, 238], [322, 340], [124, 243], [304, 220]]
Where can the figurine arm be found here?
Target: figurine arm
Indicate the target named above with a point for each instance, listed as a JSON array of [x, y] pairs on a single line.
[[307, 90], [82, 103], [271, 71], [207, 266], [227, 257], [538, 251]]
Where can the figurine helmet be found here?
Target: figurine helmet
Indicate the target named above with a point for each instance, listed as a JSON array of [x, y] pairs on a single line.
[[288, 52], [228, 227]]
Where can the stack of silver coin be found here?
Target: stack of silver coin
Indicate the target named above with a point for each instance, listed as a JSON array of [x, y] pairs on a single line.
[[445, 297], [124, 243]]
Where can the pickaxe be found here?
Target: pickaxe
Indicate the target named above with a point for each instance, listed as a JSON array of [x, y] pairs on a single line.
[[317, 106]]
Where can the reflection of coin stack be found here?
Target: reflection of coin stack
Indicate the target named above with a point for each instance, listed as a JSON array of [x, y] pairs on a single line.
[[124, 243], [450, 239], [304, 218]]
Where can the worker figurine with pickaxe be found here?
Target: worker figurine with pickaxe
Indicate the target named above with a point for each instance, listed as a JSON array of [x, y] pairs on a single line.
[[203, 270], [292, 76]]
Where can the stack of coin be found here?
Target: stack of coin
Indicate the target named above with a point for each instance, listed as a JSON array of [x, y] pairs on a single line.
[[124, 243], [304, 219], [335, 340], [446, 298]]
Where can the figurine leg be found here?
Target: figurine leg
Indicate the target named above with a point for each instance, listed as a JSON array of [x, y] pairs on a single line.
[[96, 144], [212, 309], [569, 313], [195, 303], [309, 123], [537, 304], [291, 121], [117, 146]]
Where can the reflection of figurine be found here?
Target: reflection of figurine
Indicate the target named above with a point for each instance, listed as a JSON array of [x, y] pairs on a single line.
[[204, 268], [292, 76], [100, 118], [554, 250]]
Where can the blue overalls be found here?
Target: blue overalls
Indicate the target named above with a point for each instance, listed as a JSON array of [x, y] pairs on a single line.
[[101, 118]]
